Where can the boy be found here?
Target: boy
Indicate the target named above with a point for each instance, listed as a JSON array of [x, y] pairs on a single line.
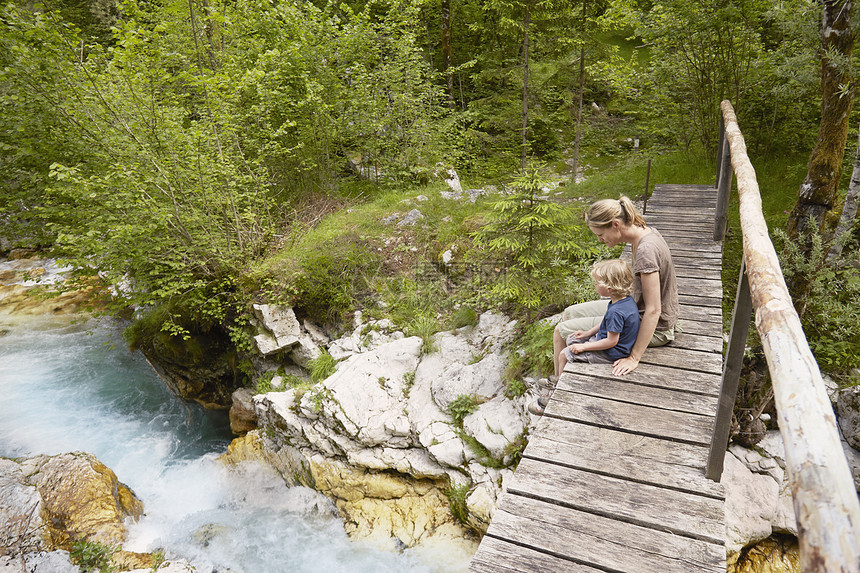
[[610, 340]]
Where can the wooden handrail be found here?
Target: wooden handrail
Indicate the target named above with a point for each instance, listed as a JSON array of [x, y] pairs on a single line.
[[825, 499]]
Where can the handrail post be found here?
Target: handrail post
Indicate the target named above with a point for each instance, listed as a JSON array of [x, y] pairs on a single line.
[[720, 149], [724, 184], [741, 316]]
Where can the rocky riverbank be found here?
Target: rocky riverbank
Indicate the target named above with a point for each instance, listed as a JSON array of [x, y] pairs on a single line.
[[414, 441]]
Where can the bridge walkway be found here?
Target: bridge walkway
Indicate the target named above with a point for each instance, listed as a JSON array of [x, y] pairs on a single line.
[[613, 478]]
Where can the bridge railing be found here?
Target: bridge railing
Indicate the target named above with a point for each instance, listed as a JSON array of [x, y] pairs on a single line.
[[825, 500]]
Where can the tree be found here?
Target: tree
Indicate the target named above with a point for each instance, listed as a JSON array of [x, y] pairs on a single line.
[[819, 191]]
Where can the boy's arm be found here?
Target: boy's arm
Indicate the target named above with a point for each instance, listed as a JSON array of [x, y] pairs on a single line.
[[602, 344], [586, 334]]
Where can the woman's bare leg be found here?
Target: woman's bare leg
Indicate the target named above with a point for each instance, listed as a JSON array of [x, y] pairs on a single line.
[[558, 345]]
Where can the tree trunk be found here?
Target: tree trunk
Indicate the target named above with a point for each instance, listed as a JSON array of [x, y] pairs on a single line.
[[525, 143], [446, 49], [818, 192], [580, 91], [578, 136], [849, 210]]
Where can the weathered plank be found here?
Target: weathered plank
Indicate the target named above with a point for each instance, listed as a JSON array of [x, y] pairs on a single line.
[[605, 543], [655, 375], [498, 556], [624, 390], [710, 342], [657, 422], [700, 300], [682, 513], [693, 312], [613, 478], [673, 465], [684, 359]]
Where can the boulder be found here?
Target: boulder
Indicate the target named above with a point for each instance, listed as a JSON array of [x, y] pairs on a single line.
[[82, 500], [378, 434], [243, 418], [848, 414], [39, 562]]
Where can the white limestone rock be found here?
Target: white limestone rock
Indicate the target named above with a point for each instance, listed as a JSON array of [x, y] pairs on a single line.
[[366, 394], [749, 507], [848, 414], [496, 425]]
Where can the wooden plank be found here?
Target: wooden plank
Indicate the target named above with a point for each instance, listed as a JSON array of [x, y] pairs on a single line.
[[711, 328], [694, 312], [611, 452], [694, 300], [710, 342], [655, 375], [624, 390], [501, 556], [682, 513], [607, 544], [700, 287], [656, 422], [684, 359]]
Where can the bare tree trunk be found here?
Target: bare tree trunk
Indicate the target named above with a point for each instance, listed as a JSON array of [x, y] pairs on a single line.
[[578, 136], [446, 49], [526, 23], [818, 192], [849, 210], [580, 91]]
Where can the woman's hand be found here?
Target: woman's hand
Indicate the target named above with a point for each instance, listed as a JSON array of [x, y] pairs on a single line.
[[624, 366]]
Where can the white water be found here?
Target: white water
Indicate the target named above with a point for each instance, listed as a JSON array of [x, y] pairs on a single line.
[[77, 388]]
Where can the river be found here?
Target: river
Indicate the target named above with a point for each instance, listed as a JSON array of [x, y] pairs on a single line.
[[77, 388]]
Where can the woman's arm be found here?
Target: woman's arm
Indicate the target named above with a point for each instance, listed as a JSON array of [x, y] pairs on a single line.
[[653, 308]]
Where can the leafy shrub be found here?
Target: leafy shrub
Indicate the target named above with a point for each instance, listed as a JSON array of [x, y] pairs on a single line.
[[93, 556], [457, 502], [462, 406], [831, 321], [322, 366], [464, 316], [531, 355], [425, 327]]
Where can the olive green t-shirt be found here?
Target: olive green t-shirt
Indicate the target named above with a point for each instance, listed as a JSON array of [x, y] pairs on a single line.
[[653, 255]]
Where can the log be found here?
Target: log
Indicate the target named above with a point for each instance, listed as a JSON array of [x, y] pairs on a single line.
[[825, 501]]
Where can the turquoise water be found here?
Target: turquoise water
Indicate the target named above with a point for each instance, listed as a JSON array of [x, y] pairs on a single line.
[[77, 388]]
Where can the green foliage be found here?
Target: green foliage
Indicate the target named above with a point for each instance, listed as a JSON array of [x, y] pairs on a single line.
[[425, 327], [534, 238], [531, 354], [457, 495], [758, 54], [322, 366], [408, 382], [330, 277], [832, 318], [464, 316], [92, 556], [462, 406]]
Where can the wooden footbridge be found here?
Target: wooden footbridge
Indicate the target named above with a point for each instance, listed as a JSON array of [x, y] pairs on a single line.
[[614, 478]]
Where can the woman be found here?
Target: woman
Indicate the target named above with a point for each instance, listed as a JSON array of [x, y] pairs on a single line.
[[654, 287]]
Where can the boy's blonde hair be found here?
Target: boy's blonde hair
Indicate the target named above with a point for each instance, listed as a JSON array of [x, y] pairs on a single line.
[[615, 275]]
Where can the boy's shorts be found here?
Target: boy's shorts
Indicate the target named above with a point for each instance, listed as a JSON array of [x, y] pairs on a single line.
[[592, 356]]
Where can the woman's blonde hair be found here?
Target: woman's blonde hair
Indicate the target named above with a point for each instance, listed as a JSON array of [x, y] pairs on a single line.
[[603, 212], [615, 275]]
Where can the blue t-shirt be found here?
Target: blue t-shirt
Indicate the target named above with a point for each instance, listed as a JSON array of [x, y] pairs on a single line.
[[621, 317]]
